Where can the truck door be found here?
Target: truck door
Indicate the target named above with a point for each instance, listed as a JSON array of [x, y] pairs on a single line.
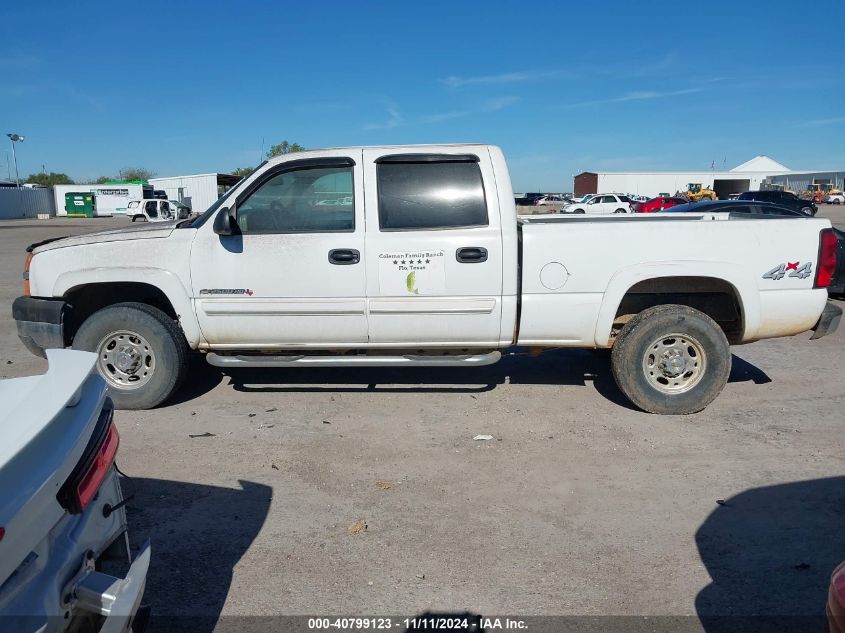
[[433, 249], [295, 276]]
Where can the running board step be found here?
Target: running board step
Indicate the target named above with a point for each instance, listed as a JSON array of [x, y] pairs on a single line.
[[304, 360]]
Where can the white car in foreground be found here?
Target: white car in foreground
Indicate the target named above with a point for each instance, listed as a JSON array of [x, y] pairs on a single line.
[[61, 508], [429, 266], [601, 204]]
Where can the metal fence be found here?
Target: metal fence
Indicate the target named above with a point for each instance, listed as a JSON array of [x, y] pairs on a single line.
[[25, 203]]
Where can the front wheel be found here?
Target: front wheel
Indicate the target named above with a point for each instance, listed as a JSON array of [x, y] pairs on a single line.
[[141, 353], [619, 211], [808, 210], [671, 359]]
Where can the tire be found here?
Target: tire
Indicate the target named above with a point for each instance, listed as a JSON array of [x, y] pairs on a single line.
[[579, 211], [686, 339], [808, 210], [619, 211], [155, 350]]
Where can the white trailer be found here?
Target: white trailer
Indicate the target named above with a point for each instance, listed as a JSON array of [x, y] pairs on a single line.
[[110, 199]]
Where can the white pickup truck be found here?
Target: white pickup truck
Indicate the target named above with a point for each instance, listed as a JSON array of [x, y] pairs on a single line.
[[414, 256]]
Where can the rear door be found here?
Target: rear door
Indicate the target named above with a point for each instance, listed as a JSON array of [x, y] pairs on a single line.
[[433, 249]]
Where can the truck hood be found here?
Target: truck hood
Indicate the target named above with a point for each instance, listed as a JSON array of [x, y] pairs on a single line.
[[138, 232]]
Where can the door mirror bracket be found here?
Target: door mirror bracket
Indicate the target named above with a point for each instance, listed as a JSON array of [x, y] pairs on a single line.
[[226, 222]]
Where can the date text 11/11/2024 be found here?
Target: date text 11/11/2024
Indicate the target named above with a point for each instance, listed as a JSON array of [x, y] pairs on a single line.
[[419, 623]]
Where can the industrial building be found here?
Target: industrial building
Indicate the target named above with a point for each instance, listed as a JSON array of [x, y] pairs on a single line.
[[749, 175], [797, 181], [199, 191]]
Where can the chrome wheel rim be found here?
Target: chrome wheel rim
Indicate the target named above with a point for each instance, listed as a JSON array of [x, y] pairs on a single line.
[[674, 363], [126, 360]]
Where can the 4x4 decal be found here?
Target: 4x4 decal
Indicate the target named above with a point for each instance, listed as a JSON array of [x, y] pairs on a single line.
[[802, 271]]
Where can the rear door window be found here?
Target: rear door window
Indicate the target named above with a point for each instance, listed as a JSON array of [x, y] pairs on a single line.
[[430, 195]]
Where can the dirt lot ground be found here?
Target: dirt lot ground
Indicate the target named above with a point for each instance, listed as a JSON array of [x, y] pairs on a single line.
[[249, 484]]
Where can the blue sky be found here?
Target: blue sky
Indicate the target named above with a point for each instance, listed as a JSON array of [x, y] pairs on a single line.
[[189, 87]]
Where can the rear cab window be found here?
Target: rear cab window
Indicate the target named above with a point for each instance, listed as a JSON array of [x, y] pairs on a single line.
[[429, 193]]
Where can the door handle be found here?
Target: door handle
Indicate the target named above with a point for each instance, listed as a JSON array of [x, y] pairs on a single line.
[[471, 255], [344, 256]]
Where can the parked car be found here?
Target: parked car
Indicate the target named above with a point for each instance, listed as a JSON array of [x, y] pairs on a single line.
[[836, 284], [657, 204], [429, 267], [157, 211], [583, 199], [550, 200], [836, 601], [529, 199], [783, 199], [62, 511], [602, 204], [835, 198]]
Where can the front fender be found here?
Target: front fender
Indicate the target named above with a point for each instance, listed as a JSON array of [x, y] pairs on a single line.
[[168, 282], [624, 279]]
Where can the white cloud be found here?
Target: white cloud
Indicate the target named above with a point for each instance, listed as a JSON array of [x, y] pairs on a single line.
[[505, 78], [394, 119], [492, 105], [641, 95], [821, 122]]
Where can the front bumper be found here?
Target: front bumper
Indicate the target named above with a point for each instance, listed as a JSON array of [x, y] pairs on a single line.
[[828, 322], [40, 323]]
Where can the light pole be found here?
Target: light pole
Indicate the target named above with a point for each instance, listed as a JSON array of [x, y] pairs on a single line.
[[15, 138]]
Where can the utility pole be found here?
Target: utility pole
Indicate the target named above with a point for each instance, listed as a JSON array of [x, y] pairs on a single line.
[[15, 138]]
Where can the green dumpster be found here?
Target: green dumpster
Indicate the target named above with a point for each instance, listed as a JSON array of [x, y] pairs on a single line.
[[80, 204]]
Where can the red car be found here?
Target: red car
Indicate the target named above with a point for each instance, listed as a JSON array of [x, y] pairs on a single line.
[[657, 204]]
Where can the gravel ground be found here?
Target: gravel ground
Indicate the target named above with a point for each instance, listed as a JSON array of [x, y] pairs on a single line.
[[580, 505]]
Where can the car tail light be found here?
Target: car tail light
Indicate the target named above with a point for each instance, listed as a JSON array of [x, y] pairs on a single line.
[[84, 482], [826, 266], [26, 274]]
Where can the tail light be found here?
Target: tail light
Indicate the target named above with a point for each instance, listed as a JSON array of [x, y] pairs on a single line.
[[84, 482], [826, 266], [26, 264]]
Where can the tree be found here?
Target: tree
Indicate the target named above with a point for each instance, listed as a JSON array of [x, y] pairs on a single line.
[[284, 148], [135, 173], [103, 180], [241, 171], [48, 180]]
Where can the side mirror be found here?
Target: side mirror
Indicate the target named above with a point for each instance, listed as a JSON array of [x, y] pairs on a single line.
[[225, 222]]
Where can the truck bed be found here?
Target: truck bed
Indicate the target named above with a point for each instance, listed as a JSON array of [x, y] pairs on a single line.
[[576, 271]]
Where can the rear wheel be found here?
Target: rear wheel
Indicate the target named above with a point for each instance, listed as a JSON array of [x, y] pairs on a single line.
[[671, 359], [141, 353]]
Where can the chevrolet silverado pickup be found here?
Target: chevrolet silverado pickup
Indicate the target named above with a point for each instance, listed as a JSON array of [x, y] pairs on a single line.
[[414, 256]]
